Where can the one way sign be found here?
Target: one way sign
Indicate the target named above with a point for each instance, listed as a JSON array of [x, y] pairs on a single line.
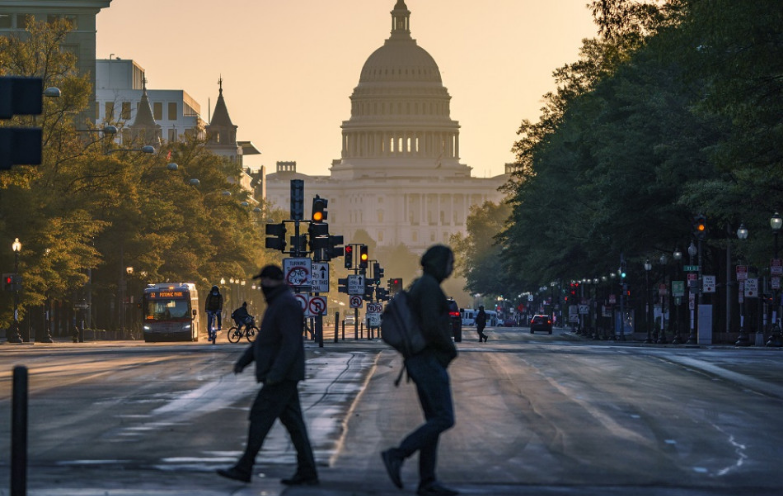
[[320, 278]]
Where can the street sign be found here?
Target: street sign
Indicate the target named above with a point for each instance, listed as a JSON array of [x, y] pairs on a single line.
[[690, 268], [320, 277], [355, 301], [776, 267], [298, 271], [662, 290], [678, 288], [356, 284], [742, 272], [302, 300], [375, 308], [691, 302], [752, 288], [612, 299], [708, 284], [774, 282], [584, 309], [316, 306]]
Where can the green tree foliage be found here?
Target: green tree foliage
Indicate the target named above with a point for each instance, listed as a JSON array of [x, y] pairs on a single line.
[[92, 207], [674, 110]]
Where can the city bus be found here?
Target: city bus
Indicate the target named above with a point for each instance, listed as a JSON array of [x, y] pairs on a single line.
[[171, 312]]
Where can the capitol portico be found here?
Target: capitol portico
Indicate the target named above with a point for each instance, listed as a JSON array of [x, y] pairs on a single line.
[[399, 177]]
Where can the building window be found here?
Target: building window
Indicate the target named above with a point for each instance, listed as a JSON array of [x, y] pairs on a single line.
[[5, 21], [380, 235], [172, 111], [24, 20], [157, 111], [380, 216], [126, 111], [108, 114], [172, 135], [432, 237], [415, 236]]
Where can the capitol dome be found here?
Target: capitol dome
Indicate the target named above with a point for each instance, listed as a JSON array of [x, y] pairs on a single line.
[[400, 60], [400, 112]]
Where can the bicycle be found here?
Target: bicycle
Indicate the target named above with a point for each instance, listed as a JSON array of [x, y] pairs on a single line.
[[212, 334], [249, 331]]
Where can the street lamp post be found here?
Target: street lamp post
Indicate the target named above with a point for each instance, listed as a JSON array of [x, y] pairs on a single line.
[[647, 268], [692, 251], [775, 222], [677, 256], [16, 337], [744, 337], [662, 336]]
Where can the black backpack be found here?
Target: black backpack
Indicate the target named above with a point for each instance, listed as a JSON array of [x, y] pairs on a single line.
[[400, 329]]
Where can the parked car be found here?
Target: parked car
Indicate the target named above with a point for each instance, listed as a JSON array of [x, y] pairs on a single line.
[[541, 323], [350, 320], [456, 320]]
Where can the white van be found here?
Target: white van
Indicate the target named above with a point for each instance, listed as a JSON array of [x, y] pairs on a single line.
[[468, 316]]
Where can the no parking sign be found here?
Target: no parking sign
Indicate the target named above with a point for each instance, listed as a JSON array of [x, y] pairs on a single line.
[[316, 306]]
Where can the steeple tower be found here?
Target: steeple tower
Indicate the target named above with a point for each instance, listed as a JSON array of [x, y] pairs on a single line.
[[221, 132], [144, 130]]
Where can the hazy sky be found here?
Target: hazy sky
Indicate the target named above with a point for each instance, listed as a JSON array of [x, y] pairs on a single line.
[[290, 66]]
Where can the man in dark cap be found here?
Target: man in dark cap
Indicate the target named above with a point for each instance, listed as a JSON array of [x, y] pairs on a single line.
[[428, 370], [280, 364]]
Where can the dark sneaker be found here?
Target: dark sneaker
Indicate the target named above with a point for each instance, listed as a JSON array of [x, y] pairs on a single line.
[[393, 463], [436, 489], [301, 480], [234, 473]]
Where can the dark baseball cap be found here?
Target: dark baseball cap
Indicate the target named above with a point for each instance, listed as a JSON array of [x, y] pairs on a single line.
[[270, 272]]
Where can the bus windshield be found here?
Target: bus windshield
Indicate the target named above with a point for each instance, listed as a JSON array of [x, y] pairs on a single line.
[[166, 309]]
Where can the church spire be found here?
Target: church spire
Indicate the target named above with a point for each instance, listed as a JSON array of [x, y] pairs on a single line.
[[401, 21], [144, 126]]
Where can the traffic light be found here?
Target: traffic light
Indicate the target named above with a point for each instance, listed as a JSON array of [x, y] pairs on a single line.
[[319, 237], [700, 226], [364, 256], [275, 236], [8, 282], [377, 273], [348, 256], [20, 96], [297, 199], [342, 285], [395, 285], [334, 249], [381, 294], [319, 209], [369, 290]]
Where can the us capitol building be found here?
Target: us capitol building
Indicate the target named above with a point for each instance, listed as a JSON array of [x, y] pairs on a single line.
[[399, 177]]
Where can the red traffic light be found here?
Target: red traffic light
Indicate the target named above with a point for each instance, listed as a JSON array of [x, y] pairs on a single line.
[[348, 249]]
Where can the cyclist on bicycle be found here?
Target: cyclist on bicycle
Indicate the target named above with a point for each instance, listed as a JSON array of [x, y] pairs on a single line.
[[241, 316], [214, 307]]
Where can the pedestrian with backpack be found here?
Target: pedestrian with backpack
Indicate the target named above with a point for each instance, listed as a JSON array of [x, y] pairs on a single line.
[[427, 369]]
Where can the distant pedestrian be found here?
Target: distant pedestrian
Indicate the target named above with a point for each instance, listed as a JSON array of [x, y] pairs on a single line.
[[428, 371], [280, 364], [481, 323]]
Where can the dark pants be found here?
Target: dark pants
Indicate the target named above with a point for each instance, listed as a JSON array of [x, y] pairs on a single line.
[[211, 315], [481, 334], [273, 402], [432, 384]]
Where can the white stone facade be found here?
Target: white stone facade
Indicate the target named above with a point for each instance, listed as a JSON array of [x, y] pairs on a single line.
[[399, 177]]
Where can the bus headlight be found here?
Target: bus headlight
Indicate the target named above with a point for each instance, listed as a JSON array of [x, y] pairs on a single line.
[[146, 328], [186, 326]]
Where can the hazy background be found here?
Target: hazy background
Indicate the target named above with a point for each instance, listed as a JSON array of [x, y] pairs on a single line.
[[290, 66]]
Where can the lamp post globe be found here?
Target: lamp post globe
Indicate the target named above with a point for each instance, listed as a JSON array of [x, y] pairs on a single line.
[[15, 337], [744, 337]]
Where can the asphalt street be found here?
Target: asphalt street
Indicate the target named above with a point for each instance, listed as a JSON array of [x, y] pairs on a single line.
[[540, 414]]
